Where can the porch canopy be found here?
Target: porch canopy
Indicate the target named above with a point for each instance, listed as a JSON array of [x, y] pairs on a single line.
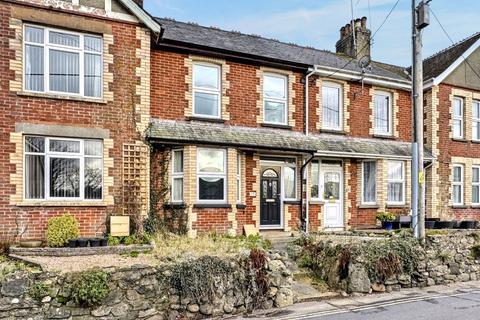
[[192, 132]]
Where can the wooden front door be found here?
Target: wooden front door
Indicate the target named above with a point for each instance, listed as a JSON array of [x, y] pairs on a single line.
[[270, 198]]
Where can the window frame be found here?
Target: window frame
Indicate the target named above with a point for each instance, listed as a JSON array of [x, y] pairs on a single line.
[[295, 180], [476, 103], [238, 177], [276, 100], [217, 91], [402, 181], [363, 202], [223, 175], [460, 118], [389, 95], [476, 184], [177, 175], [62, 155], [316, 162], [460, 183], [339, 87], [47, 46]]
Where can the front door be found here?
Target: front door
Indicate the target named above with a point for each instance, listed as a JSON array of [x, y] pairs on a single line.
[[332, 195], [270, 198]]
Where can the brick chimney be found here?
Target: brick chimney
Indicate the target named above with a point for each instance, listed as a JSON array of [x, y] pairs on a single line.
[[346, 43]]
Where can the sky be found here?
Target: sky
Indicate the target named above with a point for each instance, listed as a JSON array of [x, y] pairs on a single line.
[[316, 23]]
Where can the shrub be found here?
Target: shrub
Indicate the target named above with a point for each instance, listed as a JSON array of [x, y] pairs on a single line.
[[61, 229], [89, 287], [476, 251], [39, 291], [113, 241], [385, 216]]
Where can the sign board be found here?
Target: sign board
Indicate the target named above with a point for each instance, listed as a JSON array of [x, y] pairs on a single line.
[[120, 226], [249, 229]]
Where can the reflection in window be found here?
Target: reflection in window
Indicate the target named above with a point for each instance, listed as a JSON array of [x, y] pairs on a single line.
[[211, 175]]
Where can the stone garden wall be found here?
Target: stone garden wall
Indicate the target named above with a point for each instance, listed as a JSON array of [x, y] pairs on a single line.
[[169, 291]]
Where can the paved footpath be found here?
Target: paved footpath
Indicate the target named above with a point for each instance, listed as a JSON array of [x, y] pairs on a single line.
[[449, 302]]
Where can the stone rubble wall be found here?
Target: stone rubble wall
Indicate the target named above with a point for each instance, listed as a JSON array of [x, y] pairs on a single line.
[[137, 293]]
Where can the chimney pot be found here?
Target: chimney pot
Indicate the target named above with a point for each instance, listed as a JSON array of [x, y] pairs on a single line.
[[357, 46], [364, 22]]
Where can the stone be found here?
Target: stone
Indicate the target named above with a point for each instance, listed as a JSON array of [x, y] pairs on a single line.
[[464, 277], [14, 287], [46, 299], [454, 268], [206, 309], [284, 298], [15, 301], [147, 313], [272, 291], [193, 308], [378, 287], [473, 276], [120, 310], [358, 280], [58, 313], [101, 311], [430, 282]]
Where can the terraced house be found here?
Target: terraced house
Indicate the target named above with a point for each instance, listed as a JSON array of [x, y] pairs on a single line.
[[74, 104], [452, 119], [245, 120]]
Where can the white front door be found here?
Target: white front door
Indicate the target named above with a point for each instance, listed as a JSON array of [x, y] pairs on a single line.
[[332, 185]]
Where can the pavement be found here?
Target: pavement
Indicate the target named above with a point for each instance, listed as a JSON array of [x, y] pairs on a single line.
[[446, 302]]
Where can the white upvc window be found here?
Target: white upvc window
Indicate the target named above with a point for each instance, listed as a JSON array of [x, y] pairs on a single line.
[[369, 182], [290, 180], [383, 113], [207, 90], [239, 177], [458, 184], [476, 185], [476, 120], [457, 118], [275, 97], [211, 175], [177, 175], [315, 183], [332, 103], [396, 182], [63, 169], [62, 62]]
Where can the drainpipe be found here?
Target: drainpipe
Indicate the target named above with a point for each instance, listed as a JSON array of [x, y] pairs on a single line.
[[307, 77], [304, 218]]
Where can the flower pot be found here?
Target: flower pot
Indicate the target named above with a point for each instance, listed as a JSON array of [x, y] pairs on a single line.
[[72, 243], [82, 242], [396, 225], [387, 225], [468, 224], [444, 225], [103, 242], [432, 219], [430, 224], [31, 243], [94, 242]]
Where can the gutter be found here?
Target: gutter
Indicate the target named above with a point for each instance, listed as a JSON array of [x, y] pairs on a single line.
[[320, 153]]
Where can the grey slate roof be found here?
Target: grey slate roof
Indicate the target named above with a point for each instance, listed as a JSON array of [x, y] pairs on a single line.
[[251, 45], [434, 65], [273, 139]]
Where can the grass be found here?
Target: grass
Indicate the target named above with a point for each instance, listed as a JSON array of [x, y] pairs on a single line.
[[169, 246]]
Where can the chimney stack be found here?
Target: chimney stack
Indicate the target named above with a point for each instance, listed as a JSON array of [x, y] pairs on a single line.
[[357, 46]]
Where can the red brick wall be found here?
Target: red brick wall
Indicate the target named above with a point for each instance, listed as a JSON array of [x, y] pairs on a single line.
[[115, 116], [449, 148]]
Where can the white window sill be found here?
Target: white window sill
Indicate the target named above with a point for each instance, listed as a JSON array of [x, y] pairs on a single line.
[[50, 203], [60, 97]]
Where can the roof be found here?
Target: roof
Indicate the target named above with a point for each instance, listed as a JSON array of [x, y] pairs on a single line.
[[170, 131], [142, 15], [436, 64], [256, 46]]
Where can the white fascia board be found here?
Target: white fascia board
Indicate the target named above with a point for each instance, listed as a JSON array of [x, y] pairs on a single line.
[[142, 15], [358, 76], [439, 79]]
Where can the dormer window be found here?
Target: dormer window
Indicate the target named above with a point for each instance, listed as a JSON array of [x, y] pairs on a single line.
[[62, 62], [206, 90], [275, 99]]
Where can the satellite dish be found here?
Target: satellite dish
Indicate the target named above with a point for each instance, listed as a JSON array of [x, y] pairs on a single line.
[[364, 62]]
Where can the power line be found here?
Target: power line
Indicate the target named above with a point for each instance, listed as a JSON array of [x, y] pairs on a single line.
[[451, 40], [371, 39]]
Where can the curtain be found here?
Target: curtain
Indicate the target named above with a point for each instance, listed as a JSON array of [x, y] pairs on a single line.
[[274, 112], [315, 179], [34, 72], [34, 176], [177, 192], [289, 181], [93, 178], [331, 107], [93, 75], [381, 114], [369, 181], [64, 71]]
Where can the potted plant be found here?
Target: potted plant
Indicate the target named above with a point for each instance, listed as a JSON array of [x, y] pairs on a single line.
[[387, 219]]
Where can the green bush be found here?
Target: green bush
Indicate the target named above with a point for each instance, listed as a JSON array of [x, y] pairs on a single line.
[[476, 251], [113, 241], [385, 216], [89, 287], [61, 229], [39, 291]]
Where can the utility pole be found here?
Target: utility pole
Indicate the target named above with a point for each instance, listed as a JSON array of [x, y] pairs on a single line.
[[420, 20]]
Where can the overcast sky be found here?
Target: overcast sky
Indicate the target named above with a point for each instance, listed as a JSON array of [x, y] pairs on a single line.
[[316, 23]]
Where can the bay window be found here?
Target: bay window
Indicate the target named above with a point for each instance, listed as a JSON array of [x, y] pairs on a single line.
[[476, 185], [369, 182], [62, 62], [332, 106], [211, 175], [63, 169], [383, 113], [457, 129], [275, 99], [458, 180], [395, 182], [177, 176], [206, 90], [476, 120]]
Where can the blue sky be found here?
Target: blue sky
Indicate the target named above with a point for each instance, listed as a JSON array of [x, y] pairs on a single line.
[[316, 23]]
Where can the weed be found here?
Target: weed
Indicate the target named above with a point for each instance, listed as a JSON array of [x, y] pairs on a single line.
[[89, 287], [39, 291]]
